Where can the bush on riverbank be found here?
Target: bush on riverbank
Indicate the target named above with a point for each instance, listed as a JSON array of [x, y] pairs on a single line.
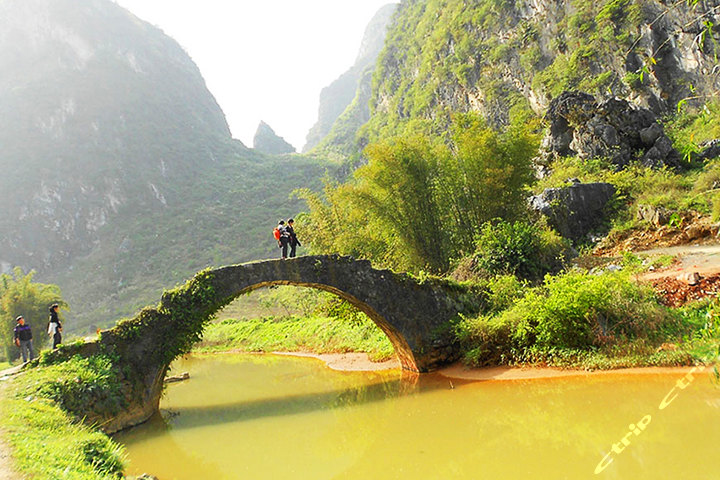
[[518, 248], [578, 319], [41, 411], [317, 334]]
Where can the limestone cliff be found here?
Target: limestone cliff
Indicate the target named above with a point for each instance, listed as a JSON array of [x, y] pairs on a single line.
[[86, 91], [511, 58], [351, 90]]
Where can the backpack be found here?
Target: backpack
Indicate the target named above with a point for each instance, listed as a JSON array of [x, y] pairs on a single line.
[[276, 233]]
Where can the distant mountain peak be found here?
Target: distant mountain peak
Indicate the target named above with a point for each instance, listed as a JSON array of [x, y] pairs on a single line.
[[267, 141]]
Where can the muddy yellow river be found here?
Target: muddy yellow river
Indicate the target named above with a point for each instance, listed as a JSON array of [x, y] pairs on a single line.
[[271, 417]]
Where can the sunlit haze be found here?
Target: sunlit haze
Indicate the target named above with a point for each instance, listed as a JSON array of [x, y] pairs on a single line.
[[265, 60]]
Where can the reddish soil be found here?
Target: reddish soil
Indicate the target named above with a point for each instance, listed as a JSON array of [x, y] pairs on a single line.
[[675, 293]]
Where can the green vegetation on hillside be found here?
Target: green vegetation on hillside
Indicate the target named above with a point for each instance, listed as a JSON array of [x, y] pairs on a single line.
[[505, 59], [226, 217]]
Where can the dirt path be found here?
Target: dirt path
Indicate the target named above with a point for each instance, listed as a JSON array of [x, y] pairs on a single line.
[[703, 259]]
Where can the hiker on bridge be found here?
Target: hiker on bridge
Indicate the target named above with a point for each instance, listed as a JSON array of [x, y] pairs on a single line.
[[23, 339], [54, 326], [283, 238], [293, 240]]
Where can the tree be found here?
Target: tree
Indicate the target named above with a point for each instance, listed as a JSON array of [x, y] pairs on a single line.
[[484, 178], [19, 295], [418, 202]]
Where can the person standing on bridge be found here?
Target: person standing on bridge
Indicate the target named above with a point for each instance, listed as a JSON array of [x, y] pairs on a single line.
[[23, 339], [294, 242], [283, 238]]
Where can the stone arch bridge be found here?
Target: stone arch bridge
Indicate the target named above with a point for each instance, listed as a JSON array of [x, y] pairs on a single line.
[[414, 314]]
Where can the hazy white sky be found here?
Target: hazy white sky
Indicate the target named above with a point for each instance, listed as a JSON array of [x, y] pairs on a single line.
[[265, 59]]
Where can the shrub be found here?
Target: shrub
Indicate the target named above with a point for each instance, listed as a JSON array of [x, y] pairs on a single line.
[[503, 291], [579, 310], [569, 314], [77, 385], [486, 340], [518, 248]]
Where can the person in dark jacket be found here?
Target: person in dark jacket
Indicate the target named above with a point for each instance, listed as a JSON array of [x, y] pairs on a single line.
[[54, 325], [23, 339], [293, 240]]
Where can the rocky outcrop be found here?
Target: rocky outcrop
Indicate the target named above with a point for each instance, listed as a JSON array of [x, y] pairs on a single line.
[[656, 216], [269, 142], [710, 150], [576, 210], [614, 129], [350, 93]]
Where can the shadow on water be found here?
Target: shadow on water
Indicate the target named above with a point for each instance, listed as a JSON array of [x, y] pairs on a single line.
[[248, 410]]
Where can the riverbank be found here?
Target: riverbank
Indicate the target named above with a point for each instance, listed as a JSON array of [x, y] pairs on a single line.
[[315, 334], [361, 362], [461, 372]]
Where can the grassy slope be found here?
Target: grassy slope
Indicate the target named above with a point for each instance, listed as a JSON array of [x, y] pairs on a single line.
[[49, 442]]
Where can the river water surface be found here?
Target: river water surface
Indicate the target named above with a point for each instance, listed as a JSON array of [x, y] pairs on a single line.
[[274, 417]]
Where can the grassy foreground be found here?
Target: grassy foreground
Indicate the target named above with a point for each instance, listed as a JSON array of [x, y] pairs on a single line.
[[317, 334], [47, 440]]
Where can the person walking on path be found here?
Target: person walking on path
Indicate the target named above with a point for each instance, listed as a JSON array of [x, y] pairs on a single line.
[[23, 339], [54, 326], [294, 242]]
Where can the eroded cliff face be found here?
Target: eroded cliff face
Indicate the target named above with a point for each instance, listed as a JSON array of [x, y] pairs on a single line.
[[341, 95], [100, 114], [511, 58]]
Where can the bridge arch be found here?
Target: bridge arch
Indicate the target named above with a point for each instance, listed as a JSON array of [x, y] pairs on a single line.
[[414, 314], [402, 349]]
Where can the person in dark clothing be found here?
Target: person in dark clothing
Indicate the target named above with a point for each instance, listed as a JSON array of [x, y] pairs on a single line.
[[23, 339], [284, 240], [54, 325], [293, 240]]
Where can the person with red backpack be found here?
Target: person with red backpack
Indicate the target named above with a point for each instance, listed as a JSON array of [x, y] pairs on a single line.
[[283, 237]]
